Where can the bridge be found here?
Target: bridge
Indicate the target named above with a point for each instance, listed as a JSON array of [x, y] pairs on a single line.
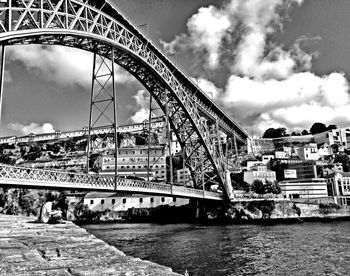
[[98, 27], [23, 177]]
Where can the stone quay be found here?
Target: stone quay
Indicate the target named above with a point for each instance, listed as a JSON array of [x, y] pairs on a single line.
[[29, 248]]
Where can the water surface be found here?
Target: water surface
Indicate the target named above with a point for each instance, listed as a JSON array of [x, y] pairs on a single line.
[[283, 249]]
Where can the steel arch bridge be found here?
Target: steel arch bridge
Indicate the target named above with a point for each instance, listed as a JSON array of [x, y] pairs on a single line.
[[96, 26]]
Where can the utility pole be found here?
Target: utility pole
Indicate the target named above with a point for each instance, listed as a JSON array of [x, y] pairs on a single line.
[[169, 139], [2, 71], [149, 137]]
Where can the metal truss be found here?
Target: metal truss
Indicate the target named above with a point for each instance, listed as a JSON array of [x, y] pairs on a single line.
[[97, 27]]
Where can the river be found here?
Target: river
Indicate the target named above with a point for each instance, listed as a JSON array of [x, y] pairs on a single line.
[[310, 248]]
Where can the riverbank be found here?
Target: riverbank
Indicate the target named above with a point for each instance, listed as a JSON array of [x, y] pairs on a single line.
[[28, 248]]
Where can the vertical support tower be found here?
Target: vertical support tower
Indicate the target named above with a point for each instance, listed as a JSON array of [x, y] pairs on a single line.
[[102, 133]]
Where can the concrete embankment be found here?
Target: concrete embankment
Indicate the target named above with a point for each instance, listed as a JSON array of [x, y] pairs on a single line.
[[28, 248]]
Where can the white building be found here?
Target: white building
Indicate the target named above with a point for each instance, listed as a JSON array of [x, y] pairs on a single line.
[[267, 158], [281, 155], [308, 152], [156, 124], [339, 184], [183, 176], [333, 136], [118, 202], [259, 146], [304, 188], [324, 150], [259, 172], [134, 162]]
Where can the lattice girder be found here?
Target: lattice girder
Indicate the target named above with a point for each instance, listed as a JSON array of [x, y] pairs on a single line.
[[77, 24]]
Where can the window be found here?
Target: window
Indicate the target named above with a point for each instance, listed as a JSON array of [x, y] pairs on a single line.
[[174, 199], [91, 201], [163, 199], [113, 200], [124, 200], [151, 199], [141, 200], [102, 201]]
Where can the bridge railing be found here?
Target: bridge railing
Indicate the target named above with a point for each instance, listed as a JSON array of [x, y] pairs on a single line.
[[33, 175], [36, 177]]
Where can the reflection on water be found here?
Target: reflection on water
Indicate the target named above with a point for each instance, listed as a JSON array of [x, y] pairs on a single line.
[[294, 249]]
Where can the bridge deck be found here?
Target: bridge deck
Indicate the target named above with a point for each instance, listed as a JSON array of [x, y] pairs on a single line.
[[47, 179]]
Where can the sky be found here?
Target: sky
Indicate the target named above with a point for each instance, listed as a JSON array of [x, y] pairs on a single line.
[[276, 63]]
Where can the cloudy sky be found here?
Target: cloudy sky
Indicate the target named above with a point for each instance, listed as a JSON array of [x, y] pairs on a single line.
[[267, 63]]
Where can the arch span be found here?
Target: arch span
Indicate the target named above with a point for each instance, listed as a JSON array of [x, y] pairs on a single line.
[[95, 26]]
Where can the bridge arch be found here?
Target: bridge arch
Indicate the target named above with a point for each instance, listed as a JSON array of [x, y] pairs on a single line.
[[95, 26]]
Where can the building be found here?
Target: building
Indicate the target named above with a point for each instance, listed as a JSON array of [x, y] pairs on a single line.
[[121, 202], [183, 176], [259, 172], [333, 136], [304, 188], [134, 162], [251, 164], [292, 141], [308, 152], [281, 154], [258, 146], [324, 150], [157, 123], [293, 169], [338, 184], [267, 158]]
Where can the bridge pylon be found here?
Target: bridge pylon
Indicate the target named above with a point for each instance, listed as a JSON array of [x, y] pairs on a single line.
[[103, 107]]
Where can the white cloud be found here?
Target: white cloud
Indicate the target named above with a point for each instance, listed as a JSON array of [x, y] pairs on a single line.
[[268, 85], [142, 105], [31, 128], [241, 28], [296, 102], [208, 87], [63, 65]]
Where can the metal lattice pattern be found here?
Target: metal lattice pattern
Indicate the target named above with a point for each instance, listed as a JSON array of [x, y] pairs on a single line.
[[79, 24], [28, 177]]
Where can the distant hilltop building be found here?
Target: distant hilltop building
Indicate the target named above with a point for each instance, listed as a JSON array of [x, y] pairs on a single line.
[[156, 123], [258, 146]]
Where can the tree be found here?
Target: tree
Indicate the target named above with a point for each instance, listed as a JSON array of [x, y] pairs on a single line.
[[318, 128], [330, 127], [272, 187], [305, 132], [344, 160], [26, 202], [275, 132], [258, 187]]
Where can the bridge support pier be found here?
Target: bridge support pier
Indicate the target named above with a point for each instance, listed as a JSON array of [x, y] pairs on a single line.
[[198, 206]]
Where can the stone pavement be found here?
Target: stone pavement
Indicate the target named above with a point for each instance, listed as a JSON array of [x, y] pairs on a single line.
[[28, 248]]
